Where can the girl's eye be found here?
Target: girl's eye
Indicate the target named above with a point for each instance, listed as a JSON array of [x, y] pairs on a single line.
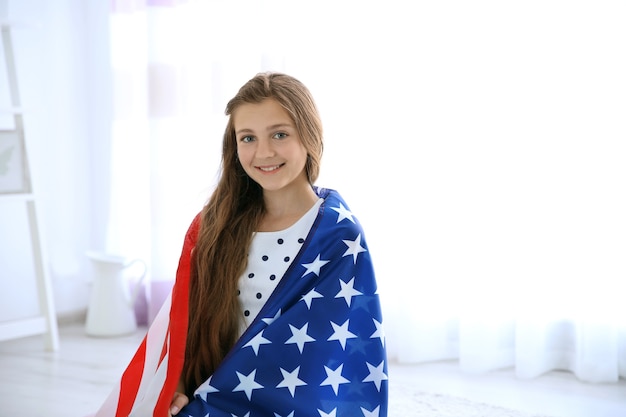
[[246, 139], [279, 135]]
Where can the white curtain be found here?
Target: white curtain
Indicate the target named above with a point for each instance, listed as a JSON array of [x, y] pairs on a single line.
[[481, 144]]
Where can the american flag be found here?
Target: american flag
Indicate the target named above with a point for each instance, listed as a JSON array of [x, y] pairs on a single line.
[[317, 347]]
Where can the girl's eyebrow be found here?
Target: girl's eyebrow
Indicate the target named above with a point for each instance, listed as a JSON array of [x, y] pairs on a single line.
[[278, 125], [240, 131], [269, 128]]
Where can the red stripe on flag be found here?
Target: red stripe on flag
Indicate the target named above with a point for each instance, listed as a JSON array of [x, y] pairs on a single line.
[[165, 345], [131, 379], [179, 319]]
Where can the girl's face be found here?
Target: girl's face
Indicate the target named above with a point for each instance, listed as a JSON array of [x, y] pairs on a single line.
[[269, 146]]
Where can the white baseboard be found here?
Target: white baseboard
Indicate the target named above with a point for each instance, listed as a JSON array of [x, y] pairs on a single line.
[[72, 317]]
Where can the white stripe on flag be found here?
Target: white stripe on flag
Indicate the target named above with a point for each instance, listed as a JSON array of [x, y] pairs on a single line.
[[153, 377], [109, 407]]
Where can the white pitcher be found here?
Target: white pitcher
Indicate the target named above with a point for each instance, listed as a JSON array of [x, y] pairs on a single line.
[[111, 309]]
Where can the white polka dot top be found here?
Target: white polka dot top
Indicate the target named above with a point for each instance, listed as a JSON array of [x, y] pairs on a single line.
[[270, 255]]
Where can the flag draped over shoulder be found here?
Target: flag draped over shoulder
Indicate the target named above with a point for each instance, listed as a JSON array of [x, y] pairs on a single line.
[[316, 348]]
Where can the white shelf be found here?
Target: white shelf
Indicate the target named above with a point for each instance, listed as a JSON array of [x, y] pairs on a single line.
[[16, 197], [11, 110], [22, 328], [45, 323]]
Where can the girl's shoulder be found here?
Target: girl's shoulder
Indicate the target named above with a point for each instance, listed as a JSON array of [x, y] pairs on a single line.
[[194, 228], [336, 211]]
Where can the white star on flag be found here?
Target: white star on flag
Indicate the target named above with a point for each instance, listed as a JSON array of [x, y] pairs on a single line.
[[374, 413], [331, 414], [257, 341], [347, 291], [206, 387], [247, 383], [235, 415], [334, 378], [299, 336], [308, 297], [354, 247], [270, 320], [278, 415], [377, 375], [314, 267], [341, 333], [344, 213], [291, 380], [380, 332]]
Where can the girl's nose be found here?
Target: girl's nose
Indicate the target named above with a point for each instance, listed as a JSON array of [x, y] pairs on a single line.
[[264, 148]]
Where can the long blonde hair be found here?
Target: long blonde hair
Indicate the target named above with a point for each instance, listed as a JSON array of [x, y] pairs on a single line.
[[229, 220]]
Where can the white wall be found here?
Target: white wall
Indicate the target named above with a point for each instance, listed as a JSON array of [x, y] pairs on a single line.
[[62, 65], [494, 133]]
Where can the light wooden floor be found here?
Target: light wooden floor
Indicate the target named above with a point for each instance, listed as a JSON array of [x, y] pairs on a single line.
[[75, 380]]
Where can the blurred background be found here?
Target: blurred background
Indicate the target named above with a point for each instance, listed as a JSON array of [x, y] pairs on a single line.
[[481, 144]]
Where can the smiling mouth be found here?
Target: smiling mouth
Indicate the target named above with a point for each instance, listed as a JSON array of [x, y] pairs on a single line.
[[270, 168]]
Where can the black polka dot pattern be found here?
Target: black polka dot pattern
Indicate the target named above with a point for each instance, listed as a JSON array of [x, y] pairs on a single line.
[[265, 258], [270, 255]]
